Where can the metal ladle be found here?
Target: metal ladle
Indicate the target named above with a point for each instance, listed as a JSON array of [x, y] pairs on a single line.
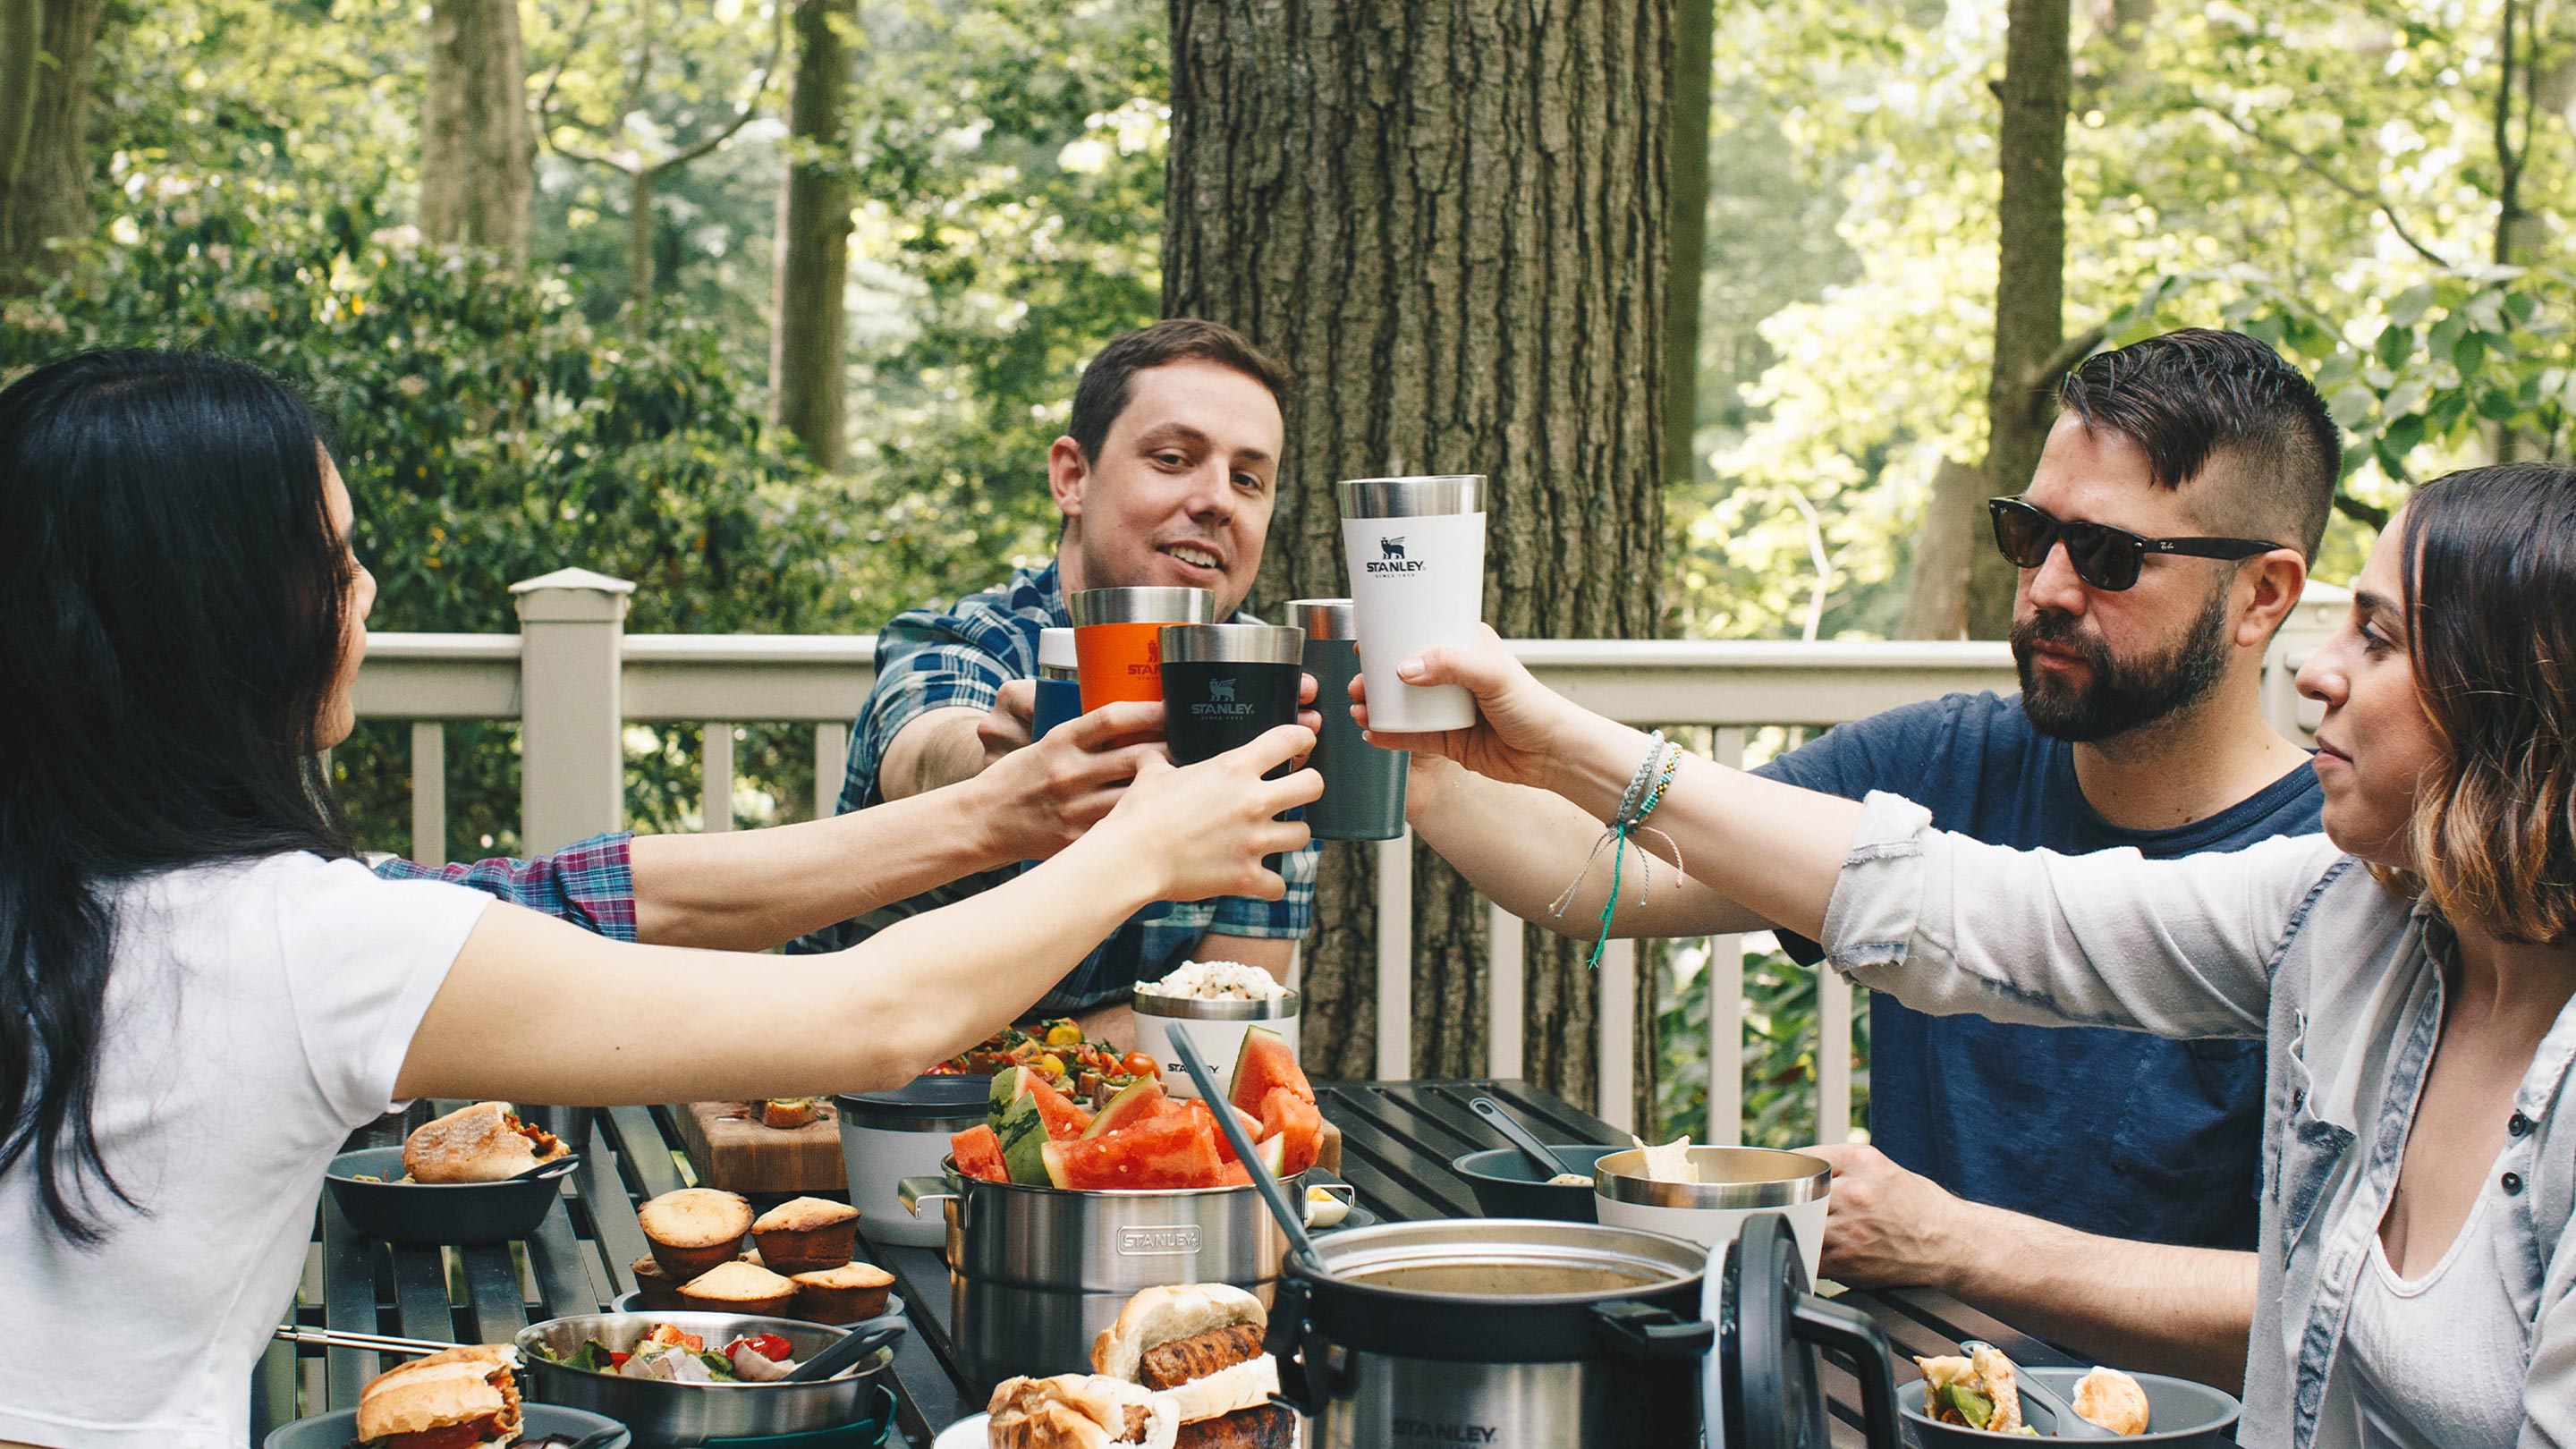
[[1521, 1137], [1273, 1195]]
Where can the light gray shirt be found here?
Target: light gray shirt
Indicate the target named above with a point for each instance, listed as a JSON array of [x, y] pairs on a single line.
[[2291, 941]]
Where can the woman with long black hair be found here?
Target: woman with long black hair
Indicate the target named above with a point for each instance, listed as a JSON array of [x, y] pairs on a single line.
[[2411, 970], [201, 994]]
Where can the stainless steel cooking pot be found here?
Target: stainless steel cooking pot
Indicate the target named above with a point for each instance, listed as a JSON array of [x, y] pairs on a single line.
[[1517, 1333], [666, 1414], [1034, 1273]]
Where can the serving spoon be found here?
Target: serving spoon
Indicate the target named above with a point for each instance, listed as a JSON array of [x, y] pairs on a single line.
[[1521, 1137], [551, 1167], [2067, 1424], [863, 1339]]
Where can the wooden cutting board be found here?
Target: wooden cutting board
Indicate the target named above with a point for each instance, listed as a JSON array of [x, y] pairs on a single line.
[[731, 1150]]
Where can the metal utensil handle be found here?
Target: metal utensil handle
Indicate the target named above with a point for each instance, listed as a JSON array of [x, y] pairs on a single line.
[[862, 1340], [2065, 1423], [372, 1342], [600, 1438], [1521, 1137], [555, 1167], [1291, 1220]]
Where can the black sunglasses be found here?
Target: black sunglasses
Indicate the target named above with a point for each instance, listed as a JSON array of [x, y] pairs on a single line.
[[2103, 556]]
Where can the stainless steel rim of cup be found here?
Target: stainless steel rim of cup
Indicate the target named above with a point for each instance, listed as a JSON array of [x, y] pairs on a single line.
[[1325, 618], [1195, 1008], [1157, 605], [1421, 497], [1233, 644], [1745, 1177]]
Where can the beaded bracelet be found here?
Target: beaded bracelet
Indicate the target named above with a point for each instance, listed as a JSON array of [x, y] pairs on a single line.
[[1646, 790]]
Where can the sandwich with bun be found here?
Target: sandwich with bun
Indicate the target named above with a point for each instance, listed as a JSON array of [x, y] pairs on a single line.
[[1080, 1411], [1980, 1391], [1200, 1343], [461, 1398], [482, 1143]]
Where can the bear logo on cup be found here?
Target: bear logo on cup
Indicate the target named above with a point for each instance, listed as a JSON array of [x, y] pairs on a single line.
[[1390, 548]]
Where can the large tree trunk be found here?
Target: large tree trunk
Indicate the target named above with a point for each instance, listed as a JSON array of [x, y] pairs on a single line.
[[1694, 47], [1448, 218], [45, 195], [2030, 282], [1936, 587], [812, 322], [477, 146]]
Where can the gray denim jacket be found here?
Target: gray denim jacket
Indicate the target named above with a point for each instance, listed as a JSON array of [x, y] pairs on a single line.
[[2291, 941]]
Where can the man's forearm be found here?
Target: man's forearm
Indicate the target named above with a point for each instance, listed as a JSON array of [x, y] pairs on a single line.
[[2151, 1306], [936, 750], [748, 890], [1521, 847]]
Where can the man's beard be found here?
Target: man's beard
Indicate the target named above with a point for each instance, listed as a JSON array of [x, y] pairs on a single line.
[[2119, 695]]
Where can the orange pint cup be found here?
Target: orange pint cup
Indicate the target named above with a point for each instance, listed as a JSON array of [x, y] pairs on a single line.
[[1118, 639]]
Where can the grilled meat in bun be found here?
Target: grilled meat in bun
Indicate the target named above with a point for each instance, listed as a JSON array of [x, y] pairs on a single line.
[[1201, 1343], [463, 1398], [1981, 1392], [1080, 1411], [482, 1143]]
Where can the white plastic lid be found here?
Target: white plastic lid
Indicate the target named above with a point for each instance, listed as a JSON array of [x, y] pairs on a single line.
[[1055, 648]]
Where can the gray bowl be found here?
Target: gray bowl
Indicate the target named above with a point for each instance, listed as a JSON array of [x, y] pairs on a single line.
[[435, 1212], [339, 1429], [1508, 1185], [667, 1413], [2178, 1412]]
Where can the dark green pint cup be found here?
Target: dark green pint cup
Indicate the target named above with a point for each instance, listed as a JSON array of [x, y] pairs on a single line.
[[1363, 785]]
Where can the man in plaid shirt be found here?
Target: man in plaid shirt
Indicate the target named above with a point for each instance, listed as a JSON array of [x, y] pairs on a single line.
[[1165, 478]]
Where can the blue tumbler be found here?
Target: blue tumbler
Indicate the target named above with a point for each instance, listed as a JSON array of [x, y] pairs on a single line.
[[1059, 683]]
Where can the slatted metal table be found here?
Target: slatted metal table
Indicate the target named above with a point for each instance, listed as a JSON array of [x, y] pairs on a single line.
[[1398, 1140]]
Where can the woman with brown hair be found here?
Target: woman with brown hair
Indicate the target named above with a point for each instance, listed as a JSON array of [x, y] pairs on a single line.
[[2411, 970]]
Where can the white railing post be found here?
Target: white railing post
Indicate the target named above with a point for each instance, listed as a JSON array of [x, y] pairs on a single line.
[[1618, 1026], [1395, 958], [572, 757], [1506, 993], [428, 792], [715, 808], [1726, 1002], [831, 762]]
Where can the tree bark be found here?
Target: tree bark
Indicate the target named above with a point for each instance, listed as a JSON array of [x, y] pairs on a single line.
[[45, 195], [477, 147], [1936, 587], [1448, 218], [2030, 282], [811, 326], [1694, 47]]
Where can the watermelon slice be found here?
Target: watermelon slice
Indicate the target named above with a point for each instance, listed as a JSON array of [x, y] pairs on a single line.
[[1175, 1151], [1007, 1088], [979, 1154], [1135, 1104], [1062, 1118], [1295, 1122], [1233, 1174], [1273, 1152], [1224, 1145], [1022, 1132], [1265, 1064]]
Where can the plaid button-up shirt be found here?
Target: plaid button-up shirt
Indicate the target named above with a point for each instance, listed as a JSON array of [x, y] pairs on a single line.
[[590, 883], [928, 660]]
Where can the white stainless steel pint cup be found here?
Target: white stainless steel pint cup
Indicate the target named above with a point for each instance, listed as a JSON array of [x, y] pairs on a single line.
[[1417, 554]]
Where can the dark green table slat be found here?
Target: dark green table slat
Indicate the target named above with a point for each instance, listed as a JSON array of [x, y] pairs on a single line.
[[566, 1274], [348, 1303], [420, 1294], [604, 1198], [492, 1288], [273, 1384], [647, 1153]]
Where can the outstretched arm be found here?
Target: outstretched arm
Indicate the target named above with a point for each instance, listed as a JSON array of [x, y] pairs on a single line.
[[2150, 1306]]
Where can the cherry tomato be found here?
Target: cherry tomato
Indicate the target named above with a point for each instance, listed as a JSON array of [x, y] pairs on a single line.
[[767, 1345], [618, 1360], [1064, 1034], [1139, 1064]]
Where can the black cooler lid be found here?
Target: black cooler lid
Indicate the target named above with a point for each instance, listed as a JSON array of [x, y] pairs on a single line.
[[931, 1097]]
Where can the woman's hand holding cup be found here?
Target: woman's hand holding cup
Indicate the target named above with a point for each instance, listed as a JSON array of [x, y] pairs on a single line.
[[1203, 829], [1522, 727]]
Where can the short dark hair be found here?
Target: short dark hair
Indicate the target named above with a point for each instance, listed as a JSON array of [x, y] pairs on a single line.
[[2196, 395], [1110, 378]]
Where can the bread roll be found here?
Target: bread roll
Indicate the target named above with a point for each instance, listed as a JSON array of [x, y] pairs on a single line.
[[460, 1386], [844, 1294], [1079, 1411], [2113, 1400], [739, 1288], [806, 1234], [694, 1229], [1160, 1315], [481, 1143]]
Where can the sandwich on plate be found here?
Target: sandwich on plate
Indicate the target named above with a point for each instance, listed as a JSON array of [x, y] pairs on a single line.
[[1080, 1411], [1981, 1391], [482, 1143], [1201, 1344], [462, 1398]]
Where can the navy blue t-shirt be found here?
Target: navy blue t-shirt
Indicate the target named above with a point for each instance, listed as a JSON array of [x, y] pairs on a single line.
[[2110, 1132]]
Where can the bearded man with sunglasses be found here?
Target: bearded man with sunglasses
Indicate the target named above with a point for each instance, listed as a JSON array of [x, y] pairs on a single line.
[[2097, 1187]]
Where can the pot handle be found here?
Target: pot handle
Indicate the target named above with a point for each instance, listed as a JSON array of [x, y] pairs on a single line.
[[914, 1191], [1641, 1330], [1855, 1336]]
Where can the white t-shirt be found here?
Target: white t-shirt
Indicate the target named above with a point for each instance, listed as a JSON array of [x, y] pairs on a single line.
[[256, 1015]]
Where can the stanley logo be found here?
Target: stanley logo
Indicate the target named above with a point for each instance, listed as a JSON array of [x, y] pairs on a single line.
[[1220, 703], [1434, 1431]]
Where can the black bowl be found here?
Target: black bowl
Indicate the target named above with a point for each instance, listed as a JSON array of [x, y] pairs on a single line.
[[435, 1212], [2178, 1412], [1509, 1185], [338, 1429]]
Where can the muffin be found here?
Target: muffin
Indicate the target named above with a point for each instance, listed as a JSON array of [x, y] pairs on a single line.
[[806, 1235], [844, 1294], [694, 1230], [655, 1289], [739, 1288]]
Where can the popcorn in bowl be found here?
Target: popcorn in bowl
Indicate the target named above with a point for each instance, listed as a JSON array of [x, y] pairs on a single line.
[[1217, 981]]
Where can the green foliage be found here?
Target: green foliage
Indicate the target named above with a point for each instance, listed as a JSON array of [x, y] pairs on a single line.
[[1779, 1021]]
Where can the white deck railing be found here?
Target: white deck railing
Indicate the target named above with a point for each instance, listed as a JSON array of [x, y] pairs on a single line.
[[573, 679]]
